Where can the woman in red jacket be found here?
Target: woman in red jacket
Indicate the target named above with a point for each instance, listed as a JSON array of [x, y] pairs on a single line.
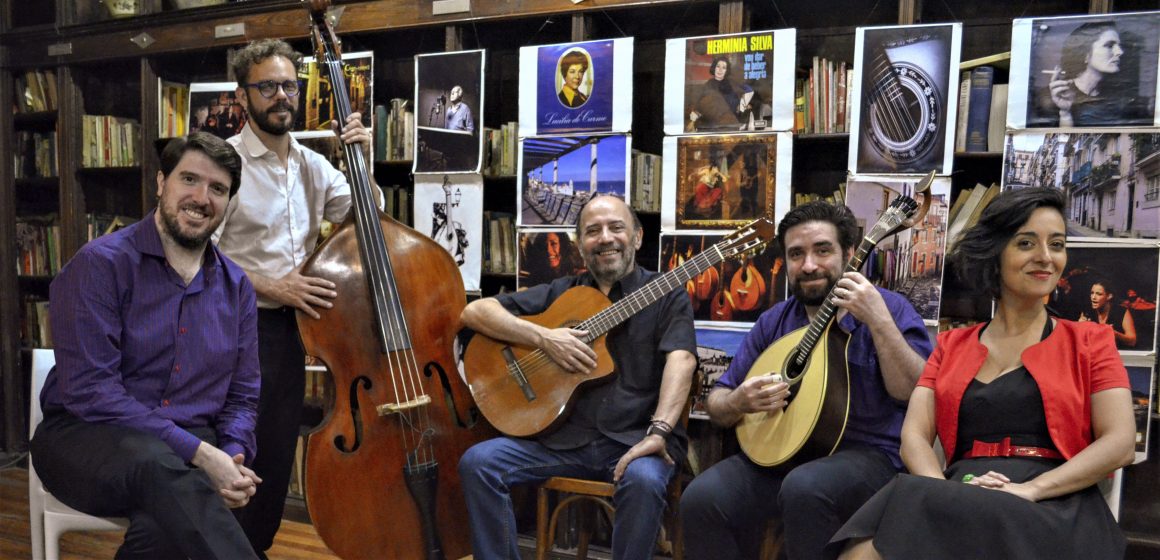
[[1031, 410]]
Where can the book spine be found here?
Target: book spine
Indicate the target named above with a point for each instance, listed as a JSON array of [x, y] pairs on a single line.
[[979, 111]]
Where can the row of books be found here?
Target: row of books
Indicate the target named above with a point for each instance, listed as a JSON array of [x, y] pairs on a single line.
[[646, 182], [35, 91], [38, 245], [837, 197], [394, 131], [110, 141], [35, 155], [397, 203], [499, 150], [821, 105], [172, 109], [967, 208], [35, 331], [982, 117], [499, 243]]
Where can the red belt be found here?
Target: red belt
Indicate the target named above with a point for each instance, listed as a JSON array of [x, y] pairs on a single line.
[[1005, 449]]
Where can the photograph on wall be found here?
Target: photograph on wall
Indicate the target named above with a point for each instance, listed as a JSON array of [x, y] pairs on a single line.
[[909, 262], [214, 107], [449, 209], [316, 109], [558, 174], [730, 83], [547, 254], [1111, 179], [715, 351], [1112, 283], [724, 181], [576, 87], [1142, 377], [449, 112], [732, 292], [1085, 71], [903, 104]]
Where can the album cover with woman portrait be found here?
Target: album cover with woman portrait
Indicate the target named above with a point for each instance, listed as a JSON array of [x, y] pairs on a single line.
[[576, 87], [909, 262], [730, 83], [1085, 71], [449, 209], [1110, 178], [1112, 283], [316, 109], [903, 106], [733, 292], [214, 107], [558, 174], [725, 181], [547, 254], [1142, 378], [449, 112]]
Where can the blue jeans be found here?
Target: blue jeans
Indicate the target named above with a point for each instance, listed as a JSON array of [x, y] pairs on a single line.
[[725, 509], [489, 469]]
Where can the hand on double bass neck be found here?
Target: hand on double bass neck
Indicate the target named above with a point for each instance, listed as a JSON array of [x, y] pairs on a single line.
[[566, 347], [353, 132]]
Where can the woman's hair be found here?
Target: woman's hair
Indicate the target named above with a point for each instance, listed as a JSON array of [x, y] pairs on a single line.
[[1078, 46], [713, 67], [573, 57], [976, 254], [1110, 287], [535, 261]]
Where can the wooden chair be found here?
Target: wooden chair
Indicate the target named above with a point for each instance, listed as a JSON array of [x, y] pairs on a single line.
[[591, 494]]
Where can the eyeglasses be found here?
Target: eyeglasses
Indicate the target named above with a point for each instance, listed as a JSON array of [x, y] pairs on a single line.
[[269, 88]]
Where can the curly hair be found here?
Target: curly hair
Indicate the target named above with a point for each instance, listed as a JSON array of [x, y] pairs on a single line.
[[257, 51], [573, 57], [821, 211], [976, 255]]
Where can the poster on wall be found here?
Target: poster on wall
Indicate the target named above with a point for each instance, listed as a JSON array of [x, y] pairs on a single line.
[[449, 112], [547, 254], [316, 109], [214, 107], [733, 292], [725, 181], [449, 209], [558, 174], [1113, 283], [1085, 71], [576, 87], [1112, 189], [911, 261], [1142, 378], [903, 104], [716, 348], [730, 83]]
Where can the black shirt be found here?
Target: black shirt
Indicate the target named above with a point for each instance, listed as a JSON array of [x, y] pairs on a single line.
[[622, 408]]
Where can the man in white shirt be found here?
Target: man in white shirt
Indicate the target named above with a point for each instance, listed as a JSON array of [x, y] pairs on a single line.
[[270, 228]]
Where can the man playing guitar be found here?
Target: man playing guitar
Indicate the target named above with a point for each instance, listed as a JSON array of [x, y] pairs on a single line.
[[626, 430], [728, 505]]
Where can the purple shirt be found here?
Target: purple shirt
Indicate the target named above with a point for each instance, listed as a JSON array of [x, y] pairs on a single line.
[[136, 347], [875, 417]]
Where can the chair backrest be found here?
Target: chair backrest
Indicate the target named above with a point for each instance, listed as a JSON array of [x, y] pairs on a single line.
[[43, 360]]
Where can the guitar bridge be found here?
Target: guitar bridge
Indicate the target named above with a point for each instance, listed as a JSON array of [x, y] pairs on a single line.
[[517, 374]]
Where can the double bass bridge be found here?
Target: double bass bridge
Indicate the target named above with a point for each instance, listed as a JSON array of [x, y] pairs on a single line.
[[395, 408]]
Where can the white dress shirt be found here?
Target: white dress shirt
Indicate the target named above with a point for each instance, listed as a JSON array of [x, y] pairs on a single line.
[[272, 223]]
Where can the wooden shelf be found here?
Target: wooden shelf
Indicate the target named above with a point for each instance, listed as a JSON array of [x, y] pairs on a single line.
[[38, 183]]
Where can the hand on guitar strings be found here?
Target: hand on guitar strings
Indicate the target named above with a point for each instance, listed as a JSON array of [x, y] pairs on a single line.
[[854, 294], [650, 445], [762, 393], [566, 347]]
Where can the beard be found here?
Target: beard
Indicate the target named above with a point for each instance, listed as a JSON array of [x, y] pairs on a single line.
[[610, 272], [266, 123], [188, 239], [812, 296]]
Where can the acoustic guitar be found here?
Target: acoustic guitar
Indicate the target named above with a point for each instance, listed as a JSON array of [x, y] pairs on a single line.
[[812, 360], [523, 393]]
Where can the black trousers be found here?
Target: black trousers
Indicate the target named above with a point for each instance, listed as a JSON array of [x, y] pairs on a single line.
[[283, 364], [112, 471]]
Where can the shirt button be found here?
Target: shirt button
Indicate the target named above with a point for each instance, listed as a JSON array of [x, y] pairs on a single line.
[[177, 368], [165, 402], [181, 330]]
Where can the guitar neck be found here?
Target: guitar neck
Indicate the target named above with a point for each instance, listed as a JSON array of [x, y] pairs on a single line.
[[598, 325], [828, 310]]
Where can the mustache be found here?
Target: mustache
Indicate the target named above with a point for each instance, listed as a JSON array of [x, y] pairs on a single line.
[[281, 106]]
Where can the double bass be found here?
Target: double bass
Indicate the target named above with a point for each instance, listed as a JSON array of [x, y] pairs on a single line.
[[381, 478]]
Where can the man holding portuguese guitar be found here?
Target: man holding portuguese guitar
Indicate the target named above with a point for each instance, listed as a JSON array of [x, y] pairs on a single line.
[[725, 509], [626, 430]]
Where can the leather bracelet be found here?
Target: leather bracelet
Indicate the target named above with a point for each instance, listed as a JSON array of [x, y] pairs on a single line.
[[660, 431]]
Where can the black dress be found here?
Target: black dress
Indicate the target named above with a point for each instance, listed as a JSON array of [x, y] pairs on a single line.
[[920, 517]]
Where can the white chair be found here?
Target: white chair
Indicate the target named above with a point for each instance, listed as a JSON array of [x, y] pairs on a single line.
[[48, 517]]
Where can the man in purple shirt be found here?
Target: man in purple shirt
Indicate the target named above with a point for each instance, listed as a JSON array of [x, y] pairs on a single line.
[[150, 410], [727, 506]]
